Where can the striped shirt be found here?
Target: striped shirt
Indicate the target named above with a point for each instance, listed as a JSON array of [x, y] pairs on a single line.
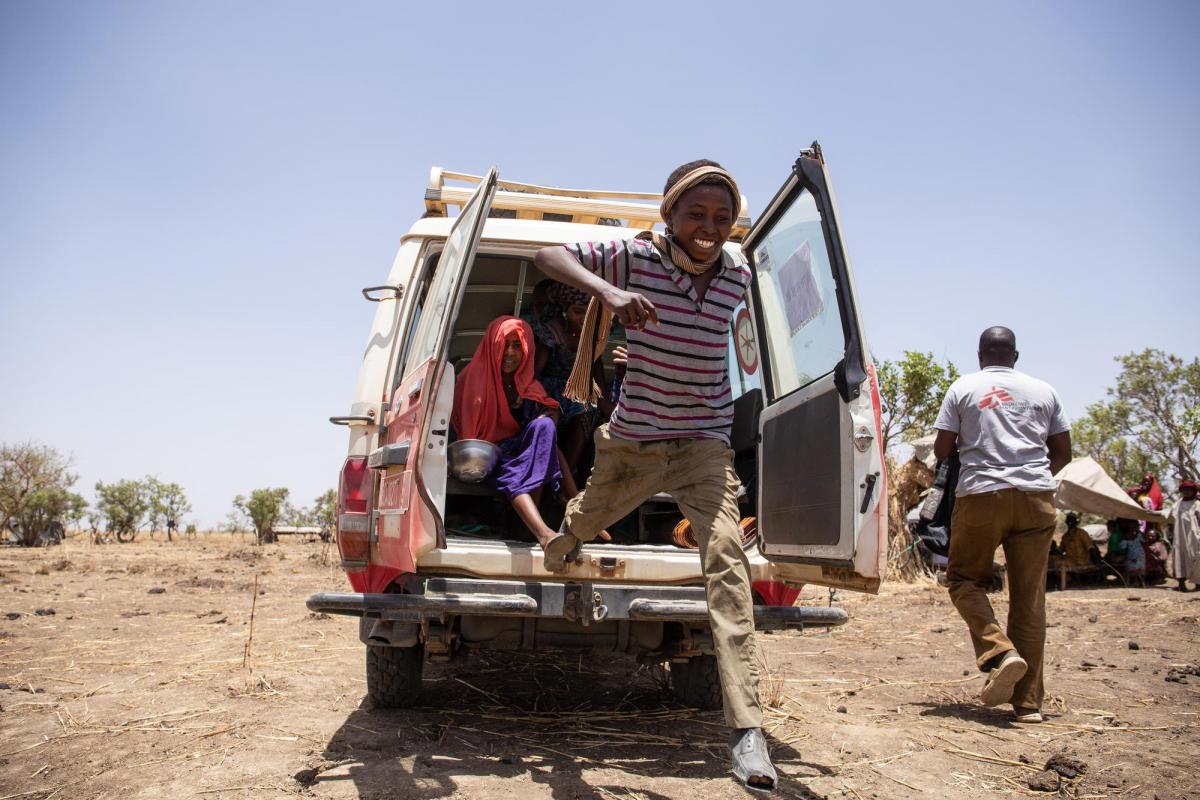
[[677, 381]]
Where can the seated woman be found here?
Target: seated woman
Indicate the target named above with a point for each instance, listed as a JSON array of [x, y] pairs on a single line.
[[1114, 553], [1157, 557], [496, 398], [558, 340]]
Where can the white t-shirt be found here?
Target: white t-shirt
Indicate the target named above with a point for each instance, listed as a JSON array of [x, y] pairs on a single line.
[[1002, 418]]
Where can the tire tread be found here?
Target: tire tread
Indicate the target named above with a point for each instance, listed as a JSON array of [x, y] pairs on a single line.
[[697, 683], [394, 675]]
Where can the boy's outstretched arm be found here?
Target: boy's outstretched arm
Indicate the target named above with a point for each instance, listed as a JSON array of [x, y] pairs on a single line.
[[630, 308]]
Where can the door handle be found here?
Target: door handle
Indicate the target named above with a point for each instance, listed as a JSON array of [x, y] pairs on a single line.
[[369, 293], [869, 485], [352, 418]]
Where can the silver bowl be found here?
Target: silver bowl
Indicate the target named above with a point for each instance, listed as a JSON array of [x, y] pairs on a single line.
[[472, 460]]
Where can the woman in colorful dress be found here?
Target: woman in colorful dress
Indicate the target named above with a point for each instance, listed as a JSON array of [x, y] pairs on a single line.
[[497, 399]]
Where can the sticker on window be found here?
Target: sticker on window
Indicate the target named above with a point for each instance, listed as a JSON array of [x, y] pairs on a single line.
[[747, 349], [762, 260], [801, 297]]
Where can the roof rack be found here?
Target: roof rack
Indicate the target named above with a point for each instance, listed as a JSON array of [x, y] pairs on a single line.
[[534, 202]]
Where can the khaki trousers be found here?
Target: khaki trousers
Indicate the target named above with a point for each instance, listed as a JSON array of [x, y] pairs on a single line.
[[699, 475], [1023, 524]]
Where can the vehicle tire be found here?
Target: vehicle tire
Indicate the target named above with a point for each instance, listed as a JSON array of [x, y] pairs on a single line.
[[697, 683], [394, 675]]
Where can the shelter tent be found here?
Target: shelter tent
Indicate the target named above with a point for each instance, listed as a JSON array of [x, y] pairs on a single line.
[[1083, 485]]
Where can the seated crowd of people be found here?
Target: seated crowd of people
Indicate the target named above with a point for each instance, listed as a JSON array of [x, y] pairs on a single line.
[[513, 393], [1135, 550]]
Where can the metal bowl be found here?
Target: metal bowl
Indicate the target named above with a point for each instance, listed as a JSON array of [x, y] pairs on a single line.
[[472, 460]]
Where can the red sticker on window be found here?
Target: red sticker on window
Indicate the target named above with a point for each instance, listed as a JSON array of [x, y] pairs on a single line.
[[743, 341]]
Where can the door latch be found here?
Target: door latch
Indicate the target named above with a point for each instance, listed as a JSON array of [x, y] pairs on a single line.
[[869, 486]]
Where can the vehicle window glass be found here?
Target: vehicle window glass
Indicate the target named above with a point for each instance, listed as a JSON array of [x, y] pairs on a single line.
[[799, 298], [414, 322], [438, 297]]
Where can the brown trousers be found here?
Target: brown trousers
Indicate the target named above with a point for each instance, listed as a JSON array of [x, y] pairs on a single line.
[[1023, 524], [699, 475]]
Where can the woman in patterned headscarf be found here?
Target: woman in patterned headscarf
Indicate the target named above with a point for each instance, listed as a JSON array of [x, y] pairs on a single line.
[[557, 337]]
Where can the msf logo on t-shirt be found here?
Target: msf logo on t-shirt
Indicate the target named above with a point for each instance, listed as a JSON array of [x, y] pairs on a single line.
[[995, 398]]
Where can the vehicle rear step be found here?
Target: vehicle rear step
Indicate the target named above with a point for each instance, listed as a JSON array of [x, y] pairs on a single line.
[[438, 597]]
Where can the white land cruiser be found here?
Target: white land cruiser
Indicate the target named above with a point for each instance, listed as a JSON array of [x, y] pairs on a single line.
[[439, 566]]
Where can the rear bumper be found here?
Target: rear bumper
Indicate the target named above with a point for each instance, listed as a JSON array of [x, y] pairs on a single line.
[[583, 602]]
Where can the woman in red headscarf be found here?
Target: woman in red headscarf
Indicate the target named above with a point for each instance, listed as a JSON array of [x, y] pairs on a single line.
[[496, 398]]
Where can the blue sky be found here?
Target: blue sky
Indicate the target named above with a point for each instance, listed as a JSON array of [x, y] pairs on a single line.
[[191, 194]]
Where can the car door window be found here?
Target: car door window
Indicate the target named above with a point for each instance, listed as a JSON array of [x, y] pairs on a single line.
[[440, 296], [802, 323]]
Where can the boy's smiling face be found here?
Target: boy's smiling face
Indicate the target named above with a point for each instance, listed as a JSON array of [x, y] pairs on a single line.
[[702, 220]]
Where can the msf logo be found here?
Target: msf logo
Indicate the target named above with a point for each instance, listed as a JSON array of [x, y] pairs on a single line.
[[994, 399]]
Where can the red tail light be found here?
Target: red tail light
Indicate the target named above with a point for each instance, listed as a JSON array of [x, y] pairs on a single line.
[[354, 513]]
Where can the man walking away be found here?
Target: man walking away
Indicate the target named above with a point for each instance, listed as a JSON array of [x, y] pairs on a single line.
[[1185, 521], [1011, 436]]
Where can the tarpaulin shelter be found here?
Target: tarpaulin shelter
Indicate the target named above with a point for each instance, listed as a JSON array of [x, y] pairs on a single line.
[[1083, 485]]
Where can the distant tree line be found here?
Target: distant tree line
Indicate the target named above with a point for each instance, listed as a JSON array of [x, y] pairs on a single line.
[[37, 501]]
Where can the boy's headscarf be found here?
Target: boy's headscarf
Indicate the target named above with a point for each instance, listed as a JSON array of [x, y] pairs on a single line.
[[598, 322]]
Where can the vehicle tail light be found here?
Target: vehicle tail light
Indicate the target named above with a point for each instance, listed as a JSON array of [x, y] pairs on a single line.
[[354, 513]]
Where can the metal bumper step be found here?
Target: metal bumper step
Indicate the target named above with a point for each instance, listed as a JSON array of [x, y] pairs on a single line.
[[581, 601]]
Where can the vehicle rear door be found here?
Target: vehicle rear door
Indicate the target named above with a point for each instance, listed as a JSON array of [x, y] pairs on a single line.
[[819, 466], [413, 483]]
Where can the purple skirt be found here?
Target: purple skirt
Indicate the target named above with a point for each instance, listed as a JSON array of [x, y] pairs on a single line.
[[528, 461]]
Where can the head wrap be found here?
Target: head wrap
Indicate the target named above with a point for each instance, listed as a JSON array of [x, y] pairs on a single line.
[[1152, 490], [565, 296], [666, 245], [598, 322], [1188, 484], [480, 407]]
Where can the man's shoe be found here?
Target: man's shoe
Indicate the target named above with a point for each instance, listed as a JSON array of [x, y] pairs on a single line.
[[1029, 716], [998, 687], [751, 761]]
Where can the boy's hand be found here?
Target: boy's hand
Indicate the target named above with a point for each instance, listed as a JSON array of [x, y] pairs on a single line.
[[630, 308], [620, 357]]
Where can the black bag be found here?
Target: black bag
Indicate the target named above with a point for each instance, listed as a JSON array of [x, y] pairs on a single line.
[[933, 534]]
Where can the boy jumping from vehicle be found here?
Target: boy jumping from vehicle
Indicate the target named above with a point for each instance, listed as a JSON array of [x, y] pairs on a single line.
[[675, 294]]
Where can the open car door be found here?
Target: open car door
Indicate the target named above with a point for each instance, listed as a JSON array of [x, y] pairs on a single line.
[[413, 461], [820, 469]]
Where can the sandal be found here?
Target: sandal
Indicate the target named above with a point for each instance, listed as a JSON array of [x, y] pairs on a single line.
[[748, 748], [561, 552]]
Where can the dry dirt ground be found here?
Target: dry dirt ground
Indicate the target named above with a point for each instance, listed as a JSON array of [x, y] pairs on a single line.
[[138, 685]]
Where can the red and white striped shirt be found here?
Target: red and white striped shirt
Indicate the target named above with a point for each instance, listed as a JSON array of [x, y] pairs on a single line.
[[677, 382]]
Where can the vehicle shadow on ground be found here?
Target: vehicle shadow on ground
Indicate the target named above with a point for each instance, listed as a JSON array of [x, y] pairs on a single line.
[[547, 718]]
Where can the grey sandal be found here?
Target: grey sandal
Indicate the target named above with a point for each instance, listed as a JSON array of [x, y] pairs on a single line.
[[561, 552], [748, 748]]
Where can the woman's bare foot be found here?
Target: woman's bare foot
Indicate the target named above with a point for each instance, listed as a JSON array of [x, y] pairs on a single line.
[[527, 510]]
